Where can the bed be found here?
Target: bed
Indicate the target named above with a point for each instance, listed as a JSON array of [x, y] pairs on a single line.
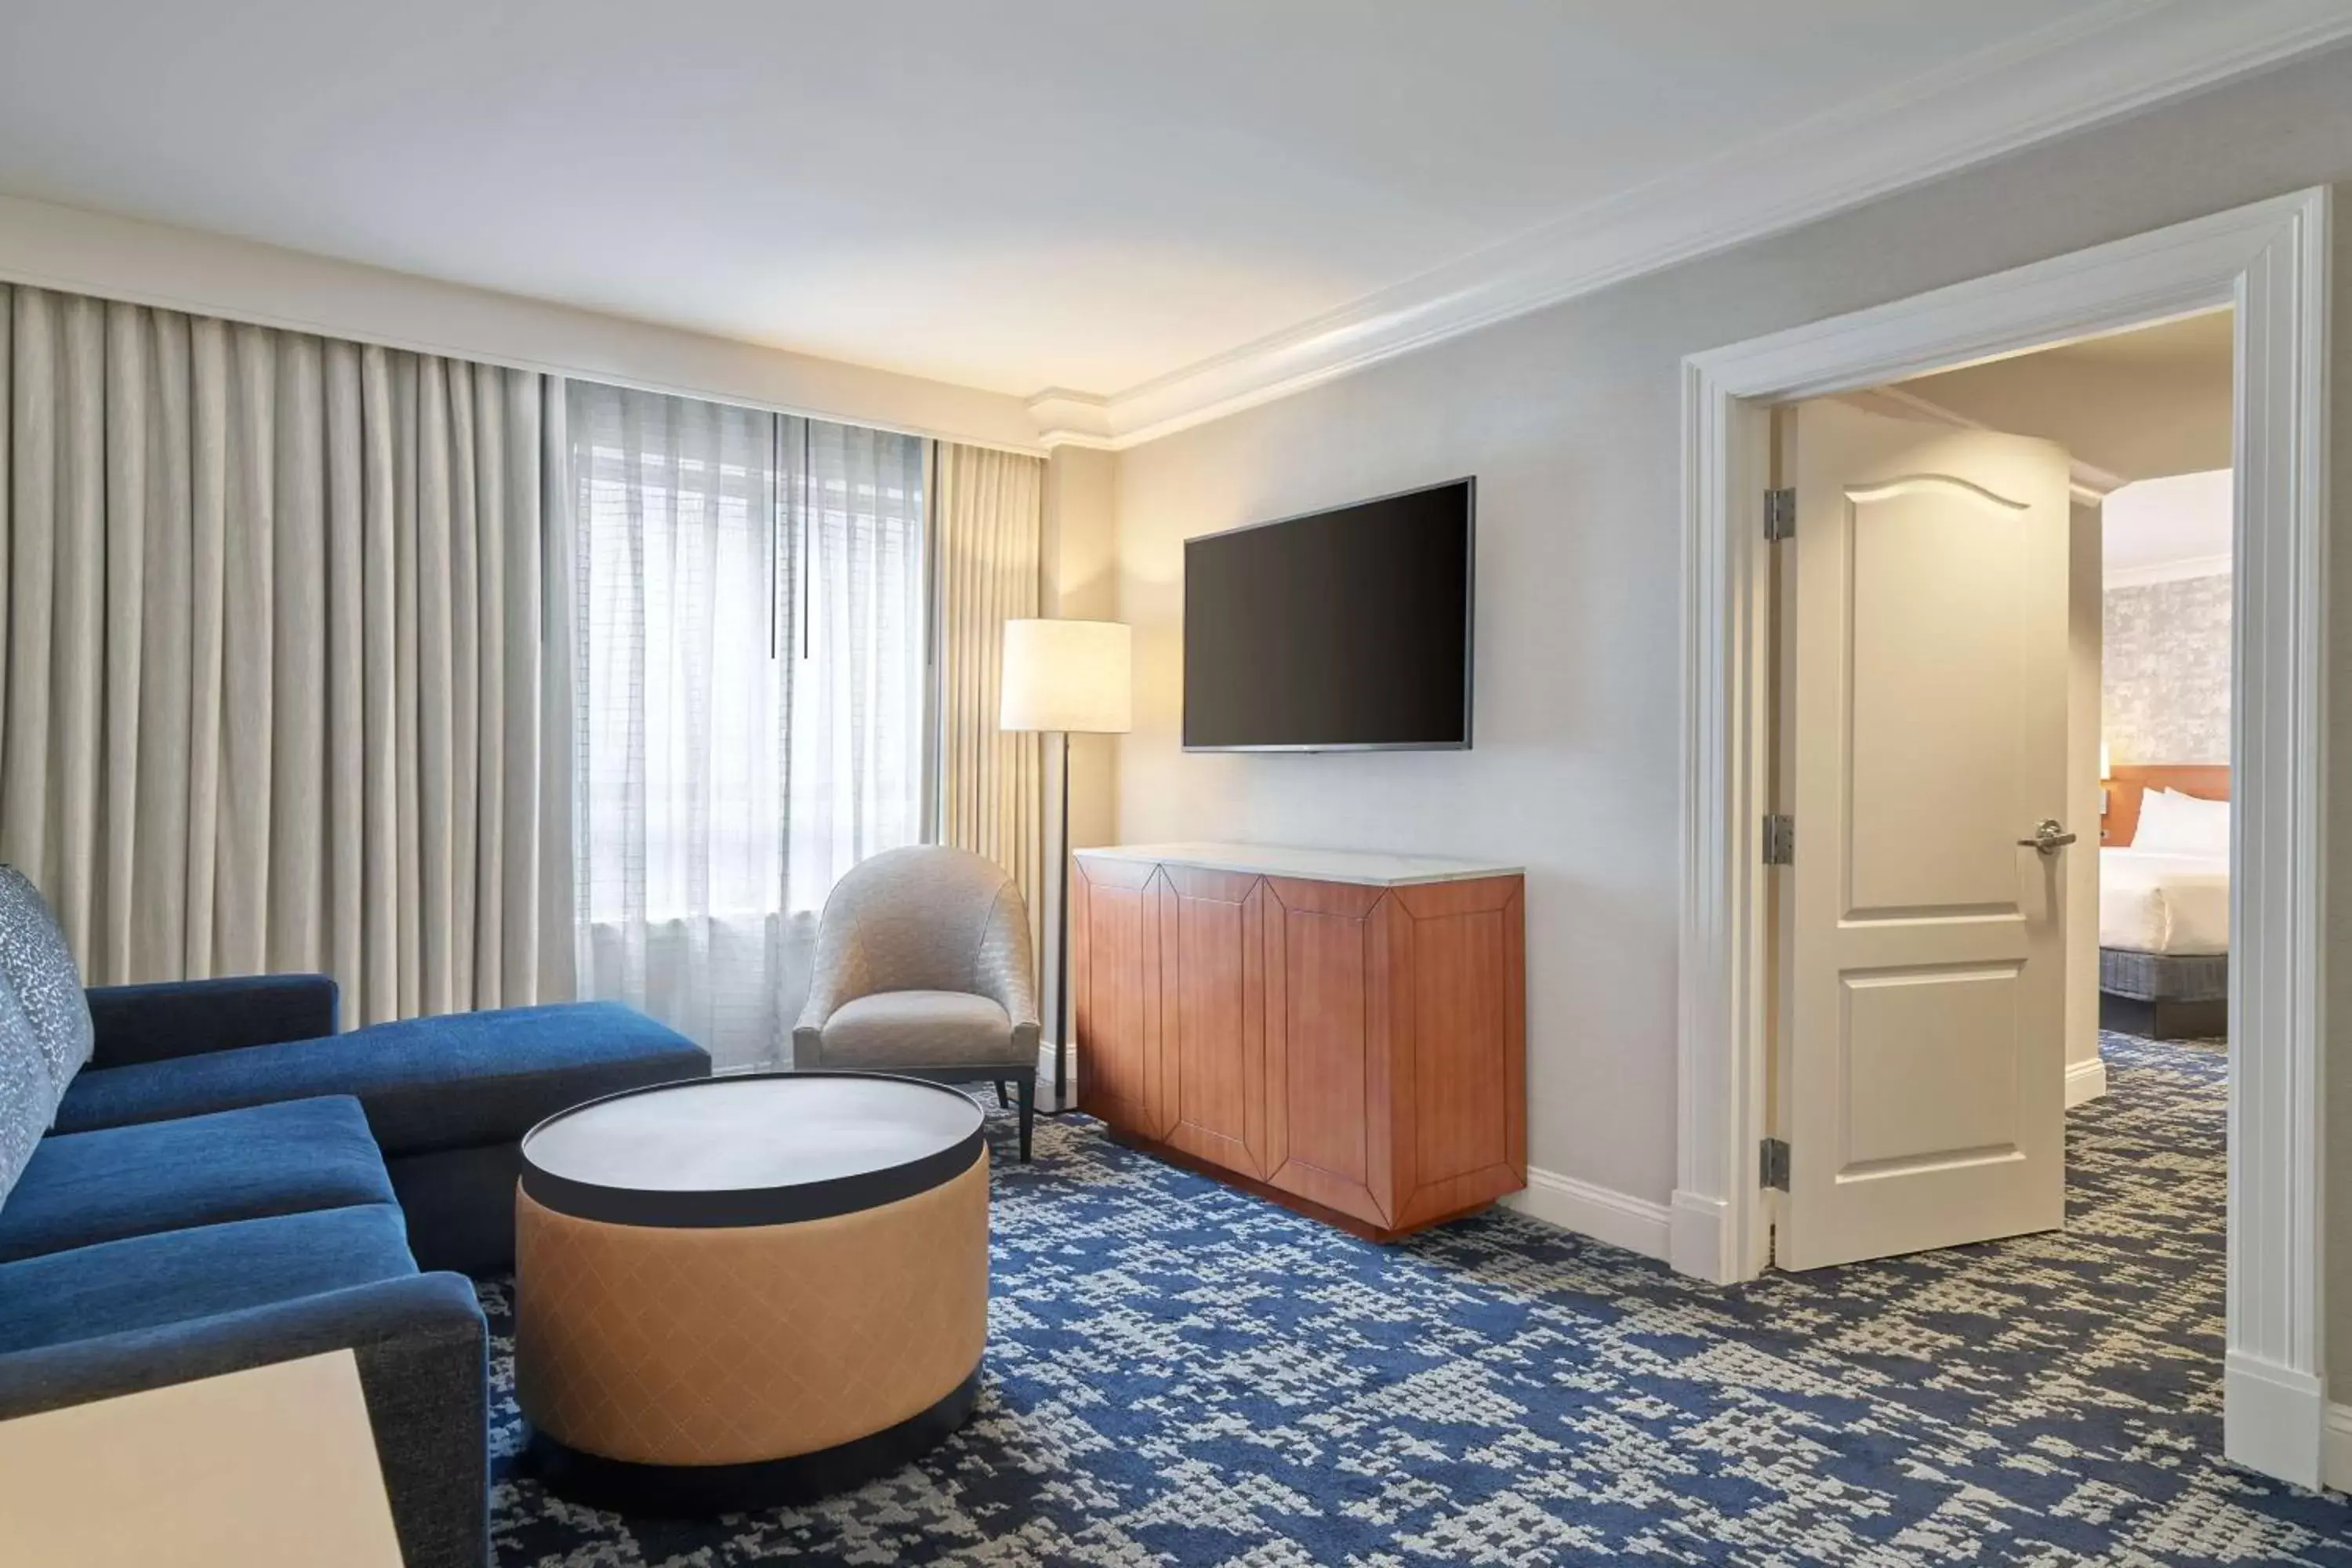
[[2164, 902]]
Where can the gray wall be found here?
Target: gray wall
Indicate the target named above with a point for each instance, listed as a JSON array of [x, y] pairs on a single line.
[[1570, 418], [2167, 671]]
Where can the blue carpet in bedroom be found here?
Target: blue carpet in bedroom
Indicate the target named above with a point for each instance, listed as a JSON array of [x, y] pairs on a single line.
[[1179, 1373]]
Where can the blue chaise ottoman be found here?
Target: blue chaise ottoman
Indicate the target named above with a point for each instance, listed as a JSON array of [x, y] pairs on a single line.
[[447, 1099]]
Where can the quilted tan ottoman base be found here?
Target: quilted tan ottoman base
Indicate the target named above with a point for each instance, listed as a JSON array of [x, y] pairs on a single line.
[[670, 1368]]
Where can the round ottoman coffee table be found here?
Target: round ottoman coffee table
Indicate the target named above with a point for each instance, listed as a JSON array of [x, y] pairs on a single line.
[[743, 1291]]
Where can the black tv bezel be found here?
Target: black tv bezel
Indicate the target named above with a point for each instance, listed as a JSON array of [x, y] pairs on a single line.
[[1468, 483]]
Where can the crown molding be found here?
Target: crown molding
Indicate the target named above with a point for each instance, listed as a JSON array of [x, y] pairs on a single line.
[[1069, 418], [2115, 57]]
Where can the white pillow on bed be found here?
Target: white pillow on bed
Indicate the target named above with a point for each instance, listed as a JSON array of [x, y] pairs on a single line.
[[2171, 822]]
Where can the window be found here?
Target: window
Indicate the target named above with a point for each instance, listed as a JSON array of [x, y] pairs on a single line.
[[749, 682]]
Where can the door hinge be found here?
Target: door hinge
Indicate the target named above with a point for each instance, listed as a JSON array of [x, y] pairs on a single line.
[[1779, 841], [1780, 515], [1774, 1165]]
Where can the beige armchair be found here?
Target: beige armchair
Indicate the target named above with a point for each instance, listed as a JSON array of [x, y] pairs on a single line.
[[923, 967]]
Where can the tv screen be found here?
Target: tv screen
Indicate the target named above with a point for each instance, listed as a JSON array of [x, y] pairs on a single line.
[[1343, 630]]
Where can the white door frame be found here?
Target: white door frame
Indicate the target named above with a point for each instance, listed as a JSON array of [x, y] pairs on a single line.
[[2270, 261]]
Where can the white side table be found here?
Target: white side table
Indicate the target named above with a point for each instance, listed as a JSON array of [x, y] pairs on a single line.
[[271, 1467]]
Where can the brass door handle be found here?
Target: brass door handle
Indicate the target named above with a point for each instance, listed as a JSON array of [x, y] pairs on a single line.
[[2050, 835]]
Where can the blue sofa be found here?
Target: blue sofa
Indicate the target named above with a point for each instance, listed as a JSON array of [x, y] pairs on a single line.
[[230, 1182]]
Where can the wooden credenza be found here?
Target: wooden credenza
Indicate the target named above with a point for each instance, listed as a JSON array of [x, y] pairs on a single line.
[[1343, 1033]]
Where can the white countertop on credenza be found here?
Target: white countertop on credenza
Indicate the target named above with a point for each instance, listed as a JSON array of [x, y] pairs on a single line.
[[1367, 867]]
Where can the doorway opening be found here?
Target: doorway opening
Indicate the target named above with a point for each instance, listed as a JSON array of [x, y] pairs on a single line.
[[2268, 263], [2000, 680]]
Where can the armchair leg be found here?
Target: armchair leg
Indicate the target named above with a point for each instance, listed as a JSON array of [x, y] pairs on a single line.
[[1027, 1084], [1002, 1103]]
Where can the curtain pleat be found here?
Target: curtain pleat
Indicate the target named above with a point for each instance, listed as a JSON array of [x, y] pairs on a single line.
[[989, 516], [346, 688], [298, 742], [128, 426], [563, 657], [165, 619], [80, 543], [270, 686]]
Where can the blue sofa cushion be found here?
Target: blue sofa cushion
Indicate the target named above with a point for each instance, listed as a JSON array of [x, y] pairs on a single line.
[[188, 1017], [41, 971], [147, 1281], [80, 1188], [447, 1083]]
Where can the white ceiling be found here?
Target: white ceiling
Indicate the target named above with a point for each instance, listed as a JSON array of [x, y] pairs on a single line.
[[2157, 530], [1015, 194]]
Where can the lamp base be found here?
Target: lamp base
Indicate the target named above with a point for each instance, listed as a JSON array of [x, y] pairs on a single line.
[[1048, 1102]]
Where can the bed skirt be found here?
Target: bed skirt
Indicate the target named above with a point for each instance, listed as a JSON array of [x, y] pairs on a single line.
[[2163, 995]]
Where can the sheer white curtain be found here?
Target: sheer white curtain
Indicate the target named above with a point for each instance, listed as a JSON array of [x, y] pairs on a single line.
[[748, 596]]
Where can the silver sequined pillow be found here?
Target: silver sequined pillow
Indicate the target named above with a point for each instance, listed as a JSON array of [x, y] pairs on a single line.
[[29, 1100], [40, 970]]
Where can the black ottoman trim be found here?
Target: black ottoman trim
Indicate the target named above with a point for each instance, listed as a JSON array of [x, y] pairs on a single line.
[[714, 1209], [694, 1490]]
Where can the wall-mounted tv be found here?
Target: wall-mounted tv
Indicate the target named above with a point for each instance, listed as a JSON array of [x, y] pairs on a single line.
[[1341, 630]]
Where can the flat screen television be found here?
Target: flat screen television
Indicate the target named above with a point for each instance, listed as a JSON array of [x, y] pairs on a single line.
[[1345, 630]]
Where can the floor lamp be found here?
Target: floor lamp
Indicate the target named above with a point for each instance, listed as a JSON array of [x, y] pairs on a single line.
[[1069, 678]]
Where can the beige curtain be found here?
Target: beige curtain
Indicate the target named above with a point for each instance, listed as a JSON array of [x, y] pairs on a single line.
[[273, 684], [989, 514]]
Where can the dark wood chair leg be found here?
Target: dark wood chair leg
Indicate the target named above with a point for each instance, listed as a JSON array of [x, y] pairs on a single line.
[[1027, 1083], [1003, 1103]]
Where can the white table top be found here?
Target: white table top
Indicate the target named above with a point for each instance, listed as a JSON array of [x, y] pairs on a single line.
[[1370, 868], [271, 1467], [751, 1131]]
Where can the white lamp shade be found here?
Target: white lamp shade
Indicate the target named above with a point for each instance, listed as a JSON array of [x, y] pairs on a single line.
[[1069, 675]]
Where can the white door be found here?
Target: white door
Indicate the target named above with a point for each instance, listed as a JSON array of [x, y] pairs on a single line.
[[1921, 1078]]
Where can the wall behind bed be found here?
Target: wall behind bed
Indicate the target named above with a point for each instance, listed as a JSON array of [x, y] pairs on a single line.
[[2165, 691], [2167, 671]]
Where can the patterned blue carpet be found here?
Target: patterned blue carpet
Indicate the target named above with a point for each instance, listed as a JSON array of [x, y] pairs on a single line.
[[1180, 1374]]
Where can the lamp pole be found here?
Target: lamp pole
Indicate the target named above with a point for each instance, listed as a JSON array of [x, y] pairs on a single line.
[[1062, 951]]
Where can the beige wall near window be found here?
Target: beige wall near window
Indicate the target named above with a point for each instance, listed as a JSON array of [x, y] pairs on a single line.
[[1572, 418]]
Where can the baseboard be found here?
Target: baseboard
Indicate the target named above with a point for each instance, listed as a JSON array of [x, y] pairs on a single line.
[[2085, 1081], [1698, 1248], [1618, 1218], [2274, 1419], [2335, 1453]]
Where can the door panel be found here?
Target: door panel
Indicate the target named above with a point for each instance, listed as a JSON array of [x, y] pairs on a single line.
[[1455, 950], [1115, 965], [1327, 1077], [1461, 1107], [1930, 727], [1931, 1068], [1922, 1066], [1213, 929]]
